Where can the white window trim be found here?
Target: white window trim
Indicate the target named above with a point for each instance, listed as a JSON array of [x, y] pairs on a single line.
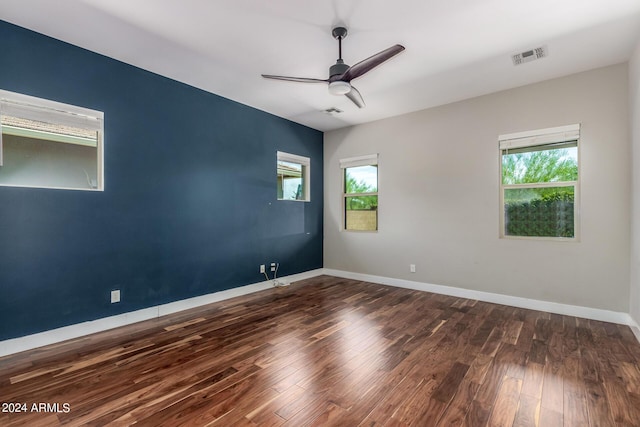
[[536, 138], [40, 109], [352, 162], [304, 161]]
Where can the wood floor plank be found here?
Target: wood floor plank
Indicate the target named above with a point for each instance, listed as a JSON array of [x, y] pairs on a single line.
[[264, 413], [631, 372], [622, 409], [491, 385], [335, 352], [533, 378], [575, 408], [549, 418], [506, 405], [479, 368], [300, 404], [477, 415], [553, 387], [457, 410], [597, 406], [450, 383], [528, 414], [387, 406], [512, 331], [538, 352]]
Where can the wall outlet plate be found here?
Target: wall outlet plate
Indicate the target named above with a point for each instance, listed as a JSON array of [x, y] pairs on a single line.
[[412, 268], [115, 296], [262, 269]]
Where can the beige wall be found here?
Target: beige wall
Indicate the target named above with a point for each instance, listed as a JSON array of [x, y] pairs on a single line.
[[439, 195], [634, 104]]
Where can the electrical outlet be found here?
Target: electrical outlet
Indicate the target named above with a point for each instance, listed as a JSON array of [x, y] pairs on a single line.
[[412, 268], [273, 266], [115, 296], [262, 269]]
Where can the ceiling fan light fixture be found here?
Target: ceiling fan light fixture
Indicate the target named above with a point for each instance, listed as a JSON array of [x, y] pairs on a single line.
[[339, 88]]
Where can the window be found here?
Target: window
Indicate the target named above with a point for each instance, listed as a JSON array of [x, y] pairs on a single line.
[[293, 177], [48, 144], [540, 183], [360, 193]]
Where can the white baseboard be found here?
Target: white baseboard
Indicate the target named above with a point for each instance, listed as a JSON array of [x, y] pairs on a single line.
[[635, 328], [551, 307], [53, 336], [29, 342]]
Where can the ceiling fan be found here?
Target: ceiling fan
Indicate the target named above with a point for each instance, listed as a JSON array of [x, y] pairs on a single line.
[[341, 74]]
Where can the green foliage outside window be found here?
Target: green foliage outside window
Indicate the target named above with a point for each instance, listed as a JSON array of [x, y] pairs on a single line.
[[361, 198], [546, 210], [540, 166], [546, 215], [352, 186]]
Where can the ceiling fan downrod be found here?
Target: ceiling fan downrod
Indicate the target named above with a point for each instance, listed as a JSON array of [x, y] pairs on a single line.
[[339, 67], [339, 33]]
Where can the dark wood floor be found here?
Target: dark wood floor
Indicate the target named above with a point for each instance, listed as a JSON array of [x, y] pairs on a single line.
[[330, 351]]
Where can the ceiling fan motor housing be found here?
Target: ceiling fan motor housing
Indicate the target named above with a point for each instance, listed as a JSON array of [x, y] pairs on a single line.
[[338, 68]]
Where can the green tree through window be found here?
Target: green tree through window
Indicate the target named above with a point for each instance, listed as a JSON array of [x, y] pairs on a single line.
[[361, 198], [550, 165], [362, 202]]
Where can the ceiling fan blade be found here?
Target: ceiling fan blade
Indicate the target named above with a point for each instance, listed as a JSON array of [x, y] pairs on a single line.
[[294, 79], [368, 64], [355, 97]]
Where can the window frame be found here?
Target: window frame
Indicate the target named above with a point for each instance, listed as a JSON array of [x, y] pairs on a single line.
[[305, 162], [48, 111], [352, 162], [541, 138]]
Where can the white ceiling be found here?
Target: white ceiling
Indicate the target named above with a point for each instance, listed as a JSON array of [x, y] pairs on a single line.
[[455, 49]]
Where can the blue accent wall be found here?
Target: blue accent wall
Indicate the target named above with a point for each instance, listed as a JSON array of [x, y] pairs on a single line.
[[189, 206]]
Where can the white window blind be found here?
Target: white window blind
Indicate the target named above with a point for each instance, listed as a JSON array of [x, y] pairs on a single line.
[[539, 137], [351, 162]]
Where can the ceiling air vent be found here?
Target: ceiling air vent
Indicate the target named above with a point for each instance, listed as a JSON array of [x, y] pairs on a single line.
[[529, 55], [333, 110]]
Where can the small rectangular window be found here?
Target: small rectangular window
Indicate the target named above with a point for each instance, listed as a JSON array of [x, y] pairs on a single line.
[[293, 177], [360, 193], [539, 183], [48, 144]]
